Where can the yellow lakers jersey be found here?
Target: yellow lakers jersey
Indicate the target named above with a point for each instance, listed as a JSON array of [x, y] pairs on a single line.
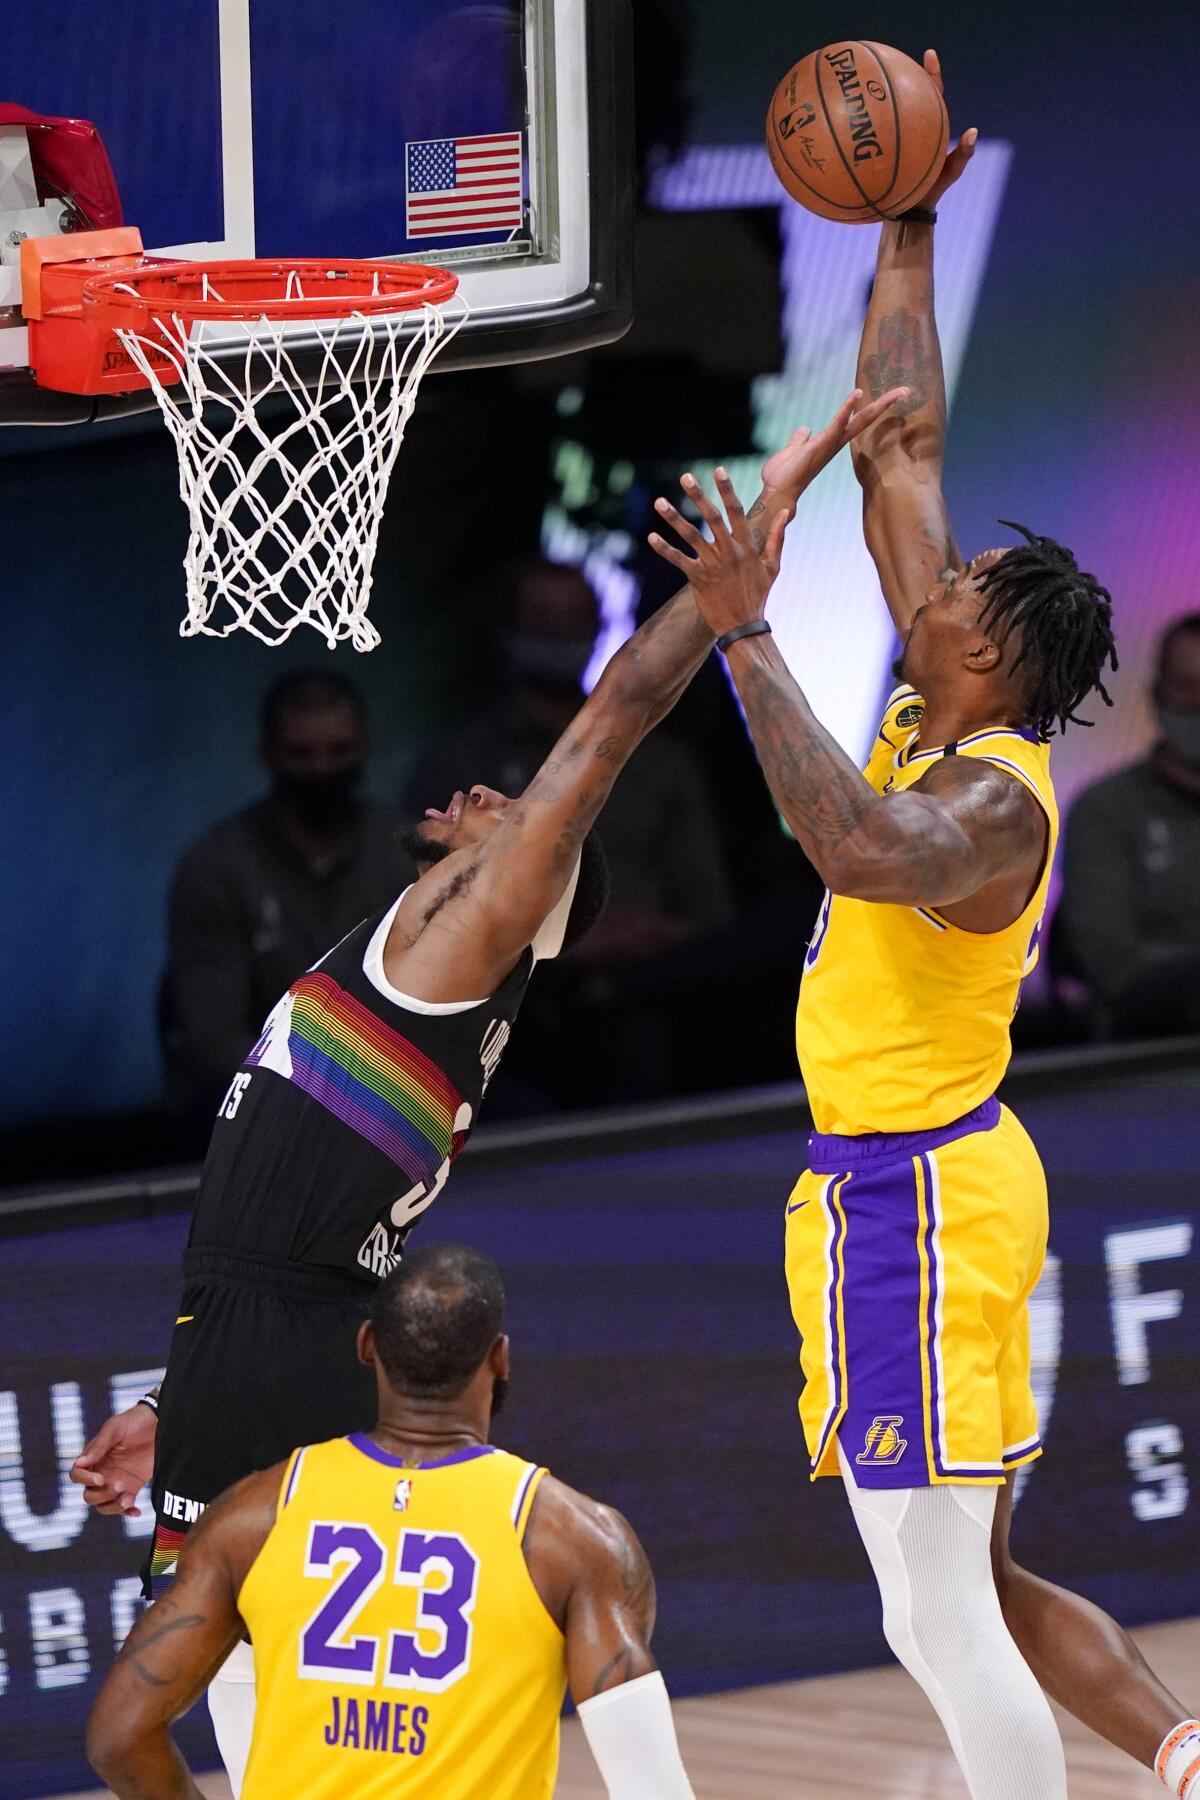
[[400, 1646], [903, 1021]]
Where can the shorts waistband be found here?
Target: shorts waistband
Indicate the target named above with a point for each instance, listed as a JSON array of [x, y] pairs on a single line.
[[237, 1268], [832, 1155]]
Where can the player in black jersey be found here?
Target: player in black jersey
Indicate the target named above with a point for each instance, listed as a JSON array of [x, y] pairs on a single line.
[[343, 1123]]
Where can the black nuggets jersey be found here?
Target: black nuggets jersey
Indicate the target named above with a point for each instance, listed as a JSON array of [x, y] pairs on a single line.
[[344, 1121]]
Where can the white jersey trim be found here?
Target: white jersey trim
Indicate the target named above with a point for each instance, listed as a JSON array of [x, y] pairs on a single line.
[[553, 928], [546, 946], [373, 970]]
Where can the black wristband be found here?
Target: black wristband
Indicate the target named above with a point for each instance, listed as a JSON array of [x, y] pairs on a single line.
[[917, 215], [150, 1400], [753, 628]]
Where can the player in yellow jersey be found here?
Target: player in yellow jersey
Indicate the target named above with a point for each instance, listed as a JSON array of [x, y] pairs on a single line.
[[917, 1235], [417, 1600]]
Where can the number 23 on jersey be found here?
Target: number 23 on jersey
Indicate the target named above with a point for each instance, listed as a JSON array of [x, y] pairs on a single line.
[[444, 1572]]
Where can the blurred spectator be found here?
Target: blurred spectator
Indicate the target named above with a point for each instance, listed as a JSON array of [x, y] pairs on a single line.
[[1129, 923], [264, 894], [585, 1036]]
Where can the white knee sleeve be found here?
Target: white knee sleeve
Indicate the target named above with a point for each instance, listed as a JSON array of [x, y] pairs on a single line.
[[930, 1549], [231, 1706]]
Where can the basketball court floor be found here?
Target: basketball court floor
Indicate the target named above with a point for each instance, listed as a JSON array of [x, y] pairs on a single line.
[[790, 1742]]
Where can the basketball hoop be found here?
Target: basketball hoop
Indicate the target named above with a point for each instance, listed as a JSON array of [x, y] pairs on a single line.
[[286, 438]]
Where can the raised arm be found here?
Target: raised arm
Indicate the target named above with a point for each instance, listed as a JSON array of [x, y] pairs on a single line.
[[899, 461], [962, 827], [526, 866], [596, 1582], [528, 862], [177, 1646]]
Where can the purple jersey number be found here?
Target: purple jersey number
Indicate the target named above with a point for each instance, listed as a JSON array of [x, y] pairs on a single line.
[[443, 1611], [440, 1565], [325, 1652]]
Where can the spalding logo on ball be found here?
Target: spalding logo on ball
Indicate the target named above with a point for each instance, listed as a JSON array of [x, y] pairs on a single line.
[[857, 131]]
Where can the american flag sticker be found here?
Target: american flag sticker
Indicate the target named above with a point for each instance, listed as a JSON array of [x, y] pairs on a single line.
[[458, 187]]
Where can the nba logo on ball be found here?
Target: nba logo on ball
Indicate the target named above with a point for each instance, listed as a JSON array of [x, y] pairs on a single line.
[[883, 1441], [401, 1497], [857, 131]]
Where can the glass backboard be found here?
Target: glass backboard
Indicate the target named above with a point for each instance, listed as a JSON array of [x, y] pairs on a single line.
[[494, 138]]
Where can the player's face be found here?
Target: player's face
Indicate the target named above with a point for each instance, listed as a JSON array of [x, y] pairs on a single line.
[[944, 626], [467, 822]]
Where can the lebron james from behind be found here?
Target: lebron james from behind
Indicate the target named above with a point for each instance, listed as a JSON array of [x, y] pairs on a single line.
[[917, 1234], [418, 1599]]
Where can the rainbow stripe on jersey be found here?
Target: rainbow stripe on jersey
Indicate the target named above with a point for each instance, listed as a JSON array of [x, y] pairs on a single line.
[[163, 1556], [369, 1076]]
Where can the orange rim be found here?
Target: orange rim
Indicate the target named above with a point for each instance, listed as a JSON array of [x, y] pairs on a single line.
[[259, 290]]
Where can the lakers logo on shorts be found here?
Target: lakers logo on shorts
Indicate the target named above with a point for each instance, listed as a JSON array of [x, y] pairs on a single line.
[[883, 1442]]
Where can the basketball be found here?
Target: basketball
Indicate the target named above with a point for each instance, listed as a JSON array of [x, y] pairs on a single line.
[[857, 131]]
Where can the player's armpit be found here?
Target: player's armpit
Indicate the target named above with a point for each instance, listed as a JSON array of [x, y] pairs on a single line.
[[177, 1646], [960, 828]]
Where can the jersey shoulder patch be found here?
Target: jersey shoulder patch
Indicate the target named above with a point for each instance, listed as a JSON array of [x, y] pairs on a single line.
[[903, 713]]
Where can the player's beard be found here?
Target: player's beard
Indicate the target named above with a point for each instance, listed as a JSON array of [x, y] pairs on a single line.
[[898, 668], [426, 852]]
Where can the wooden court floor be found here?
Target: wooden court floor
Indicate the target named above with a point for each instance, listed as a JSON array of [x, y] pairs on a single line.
[[789, 1742]]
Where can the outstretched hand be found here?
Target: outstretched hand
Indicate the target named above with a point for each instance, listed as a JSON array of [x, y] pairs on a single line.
[[956, 159], [805, 454], [732, 572]]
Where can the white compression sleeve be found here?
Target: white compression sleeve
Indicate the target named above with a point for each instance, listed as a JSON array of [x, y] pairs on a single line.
[[631, 1734], [930, 1549], [231, 1697]]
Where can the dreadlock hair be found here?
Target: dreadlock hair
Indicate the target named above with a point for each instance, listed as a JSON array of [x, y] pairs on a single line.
[[1064, 618]]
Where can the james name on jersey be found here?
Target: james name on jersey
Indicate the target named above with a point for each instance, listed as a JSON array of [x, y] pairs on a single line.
[[394, 1726]]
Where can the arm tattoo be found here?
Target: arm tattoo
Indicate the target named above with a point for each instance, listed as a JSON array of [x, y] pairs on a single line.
[[634, 1614], [963, 824], [902, 359], [542, 788], [617, 1671], [816, 787], [135, 1647], [758, 523], [661, 657], [637, 1585]]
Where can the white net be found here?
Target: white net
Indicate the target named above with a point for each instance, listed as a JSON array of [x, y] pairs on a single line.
[[284, 468]]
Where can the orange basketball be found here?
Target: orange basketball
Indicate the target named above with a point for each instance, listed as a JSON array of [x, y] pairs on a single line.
[[857, 131]]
